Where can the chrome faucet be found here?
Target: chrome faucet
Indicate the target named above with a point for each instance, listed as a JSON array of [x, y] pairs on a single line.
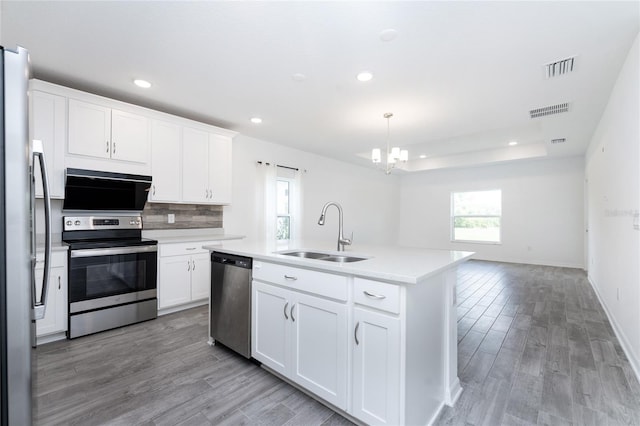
[[342, 241]]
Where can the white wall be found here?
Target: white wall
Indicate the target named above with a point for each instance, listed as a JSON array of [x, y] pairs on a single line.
[[613, 173], [542, 210], [368, 197]]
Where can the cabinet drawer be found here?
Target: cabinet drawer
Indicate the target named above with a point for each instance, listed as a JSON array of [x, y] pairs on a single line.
[[375, 294], [58, 258], [178, 249], [319, 283]]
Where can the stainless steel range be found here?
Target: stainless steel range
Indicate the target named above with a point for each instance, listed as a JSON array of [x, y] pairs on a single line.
[[112, 269], [112, 273]]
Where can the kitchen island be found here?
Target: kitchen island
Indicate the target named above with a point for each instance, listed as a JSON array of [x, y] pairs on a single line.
[[374, 339]]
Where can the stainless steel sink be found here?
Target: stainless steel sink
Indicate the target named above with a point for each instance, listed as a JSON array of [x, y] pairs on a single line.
[[342, 259], [324, 256], [306, 254]]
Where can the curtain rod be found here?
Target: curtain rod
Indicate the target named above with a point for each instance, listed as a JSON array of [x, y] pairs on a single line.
[[279, 165]]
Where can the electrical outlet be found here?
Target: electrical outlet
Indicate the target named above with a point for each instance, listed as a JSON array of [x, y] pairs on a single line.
[[171, 218]]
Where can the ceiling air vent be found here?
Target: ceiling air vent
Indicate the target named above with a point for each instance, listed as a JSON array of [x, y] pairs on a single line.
[[561, 140], [549, 110], [558, 68]]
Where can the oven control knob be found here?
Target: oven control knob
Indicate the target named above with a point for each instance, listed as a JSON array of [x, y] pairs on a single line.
[[69, 223], [137, 222], [132, 222], [77, 223]]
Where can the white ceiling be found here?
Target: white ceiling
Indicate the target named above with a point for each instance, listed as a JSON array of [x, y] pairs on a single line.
[[460, 77]]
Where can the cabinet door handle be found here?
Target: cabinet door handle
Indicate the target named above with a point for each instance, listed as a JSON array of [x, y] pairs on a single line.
[[107, 146], [193, 262], [355, 333], [285, 310], [59, 285], [114, 148], [289, 277], [373, 295], [292, 317], [188, 265], [154, 190]]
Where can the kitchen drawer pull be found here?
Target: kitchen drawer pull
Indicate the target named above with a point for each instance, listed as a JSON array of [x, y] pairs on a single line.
[[289, 277], [355, 333], [373, 295], [191, 248], [285, 310], [292, 317]]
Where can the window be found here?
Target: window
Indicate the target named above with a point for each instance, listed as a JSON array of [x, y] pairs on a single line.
[[283, 208], [476, 216]]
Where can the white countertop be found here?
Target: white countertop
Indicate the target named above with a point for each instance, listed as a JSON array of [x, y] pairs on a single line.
[[403, 265], [56, 243], [189, 235]]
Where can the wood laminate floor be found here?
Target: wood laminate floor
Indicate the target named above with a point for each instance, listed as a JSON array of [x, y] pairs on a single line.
[[534, 348]]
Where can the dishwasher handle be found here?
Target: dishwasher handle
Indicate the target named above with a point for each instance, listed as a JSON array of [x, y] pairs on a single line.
[[231, 260]]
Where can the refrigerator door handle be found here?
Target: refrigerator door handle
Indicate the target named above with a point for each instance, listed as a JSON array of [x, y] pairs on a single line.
[[39, 306]]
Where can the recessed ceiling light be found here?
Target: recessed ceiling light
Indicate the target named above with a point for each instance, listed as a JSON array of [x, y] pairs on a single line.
[[423, 156], [299, 77], [513, 143], [388, 35], [364, 76], [142, 83], [256, 120]]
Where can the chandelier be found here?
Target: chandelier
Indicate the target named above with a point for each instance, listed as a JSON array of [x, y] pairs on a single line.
[[394, 155]]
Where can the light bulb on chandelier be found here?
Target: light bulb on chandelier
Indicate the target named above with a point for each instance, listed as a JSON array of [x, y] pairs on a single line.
[[394, 155]]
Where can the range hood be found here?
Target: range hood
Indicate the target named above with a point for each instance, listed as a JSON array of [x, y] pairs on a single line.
[[91, 190]]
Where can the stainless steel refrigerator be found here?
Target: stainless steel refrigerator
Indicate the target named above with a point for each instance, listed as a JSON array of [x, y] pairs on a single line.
[[18, 305]]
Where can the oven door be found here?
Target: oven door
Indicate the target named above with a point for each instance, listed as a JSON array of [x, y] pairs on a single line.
[[102, 277]]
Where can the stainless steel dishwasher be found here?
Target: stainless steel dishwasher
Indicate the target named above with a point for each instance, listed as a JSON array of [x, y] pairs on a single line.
[[230, 304]]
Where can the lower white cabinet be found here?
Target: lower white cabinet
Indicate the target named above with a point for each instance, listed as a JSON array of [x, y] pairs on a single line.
[[376, 367], [184, 274], [376, 350], [55, 318], [304, 338]]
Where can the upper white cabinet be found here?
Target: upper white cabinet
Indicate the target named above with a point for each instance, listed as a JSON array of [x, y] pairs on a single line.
[[101, 132], [165, 164], [195, 165], [48, 124], [189, 162], [129, 137], [206, 165]]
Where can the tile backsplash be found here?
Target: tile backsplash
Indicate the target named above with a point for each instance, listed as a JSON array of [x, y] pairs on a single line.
[[187, 216]]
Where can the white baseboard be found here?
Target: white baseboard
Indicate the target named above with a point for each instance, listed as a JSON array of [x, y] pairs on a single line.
[[622, 338]]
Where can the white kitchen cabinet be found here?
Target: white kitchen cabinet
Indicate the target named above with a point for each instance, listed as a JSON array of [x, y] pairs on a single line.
[[301, 336], [55, 318], [101, 132], [48, 123], [165, 161], [200, 276], [320, 347], [376, 367], [271, 331], [206, 166], [195, 165], [219, 168], [184, 274], [174, 281]]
